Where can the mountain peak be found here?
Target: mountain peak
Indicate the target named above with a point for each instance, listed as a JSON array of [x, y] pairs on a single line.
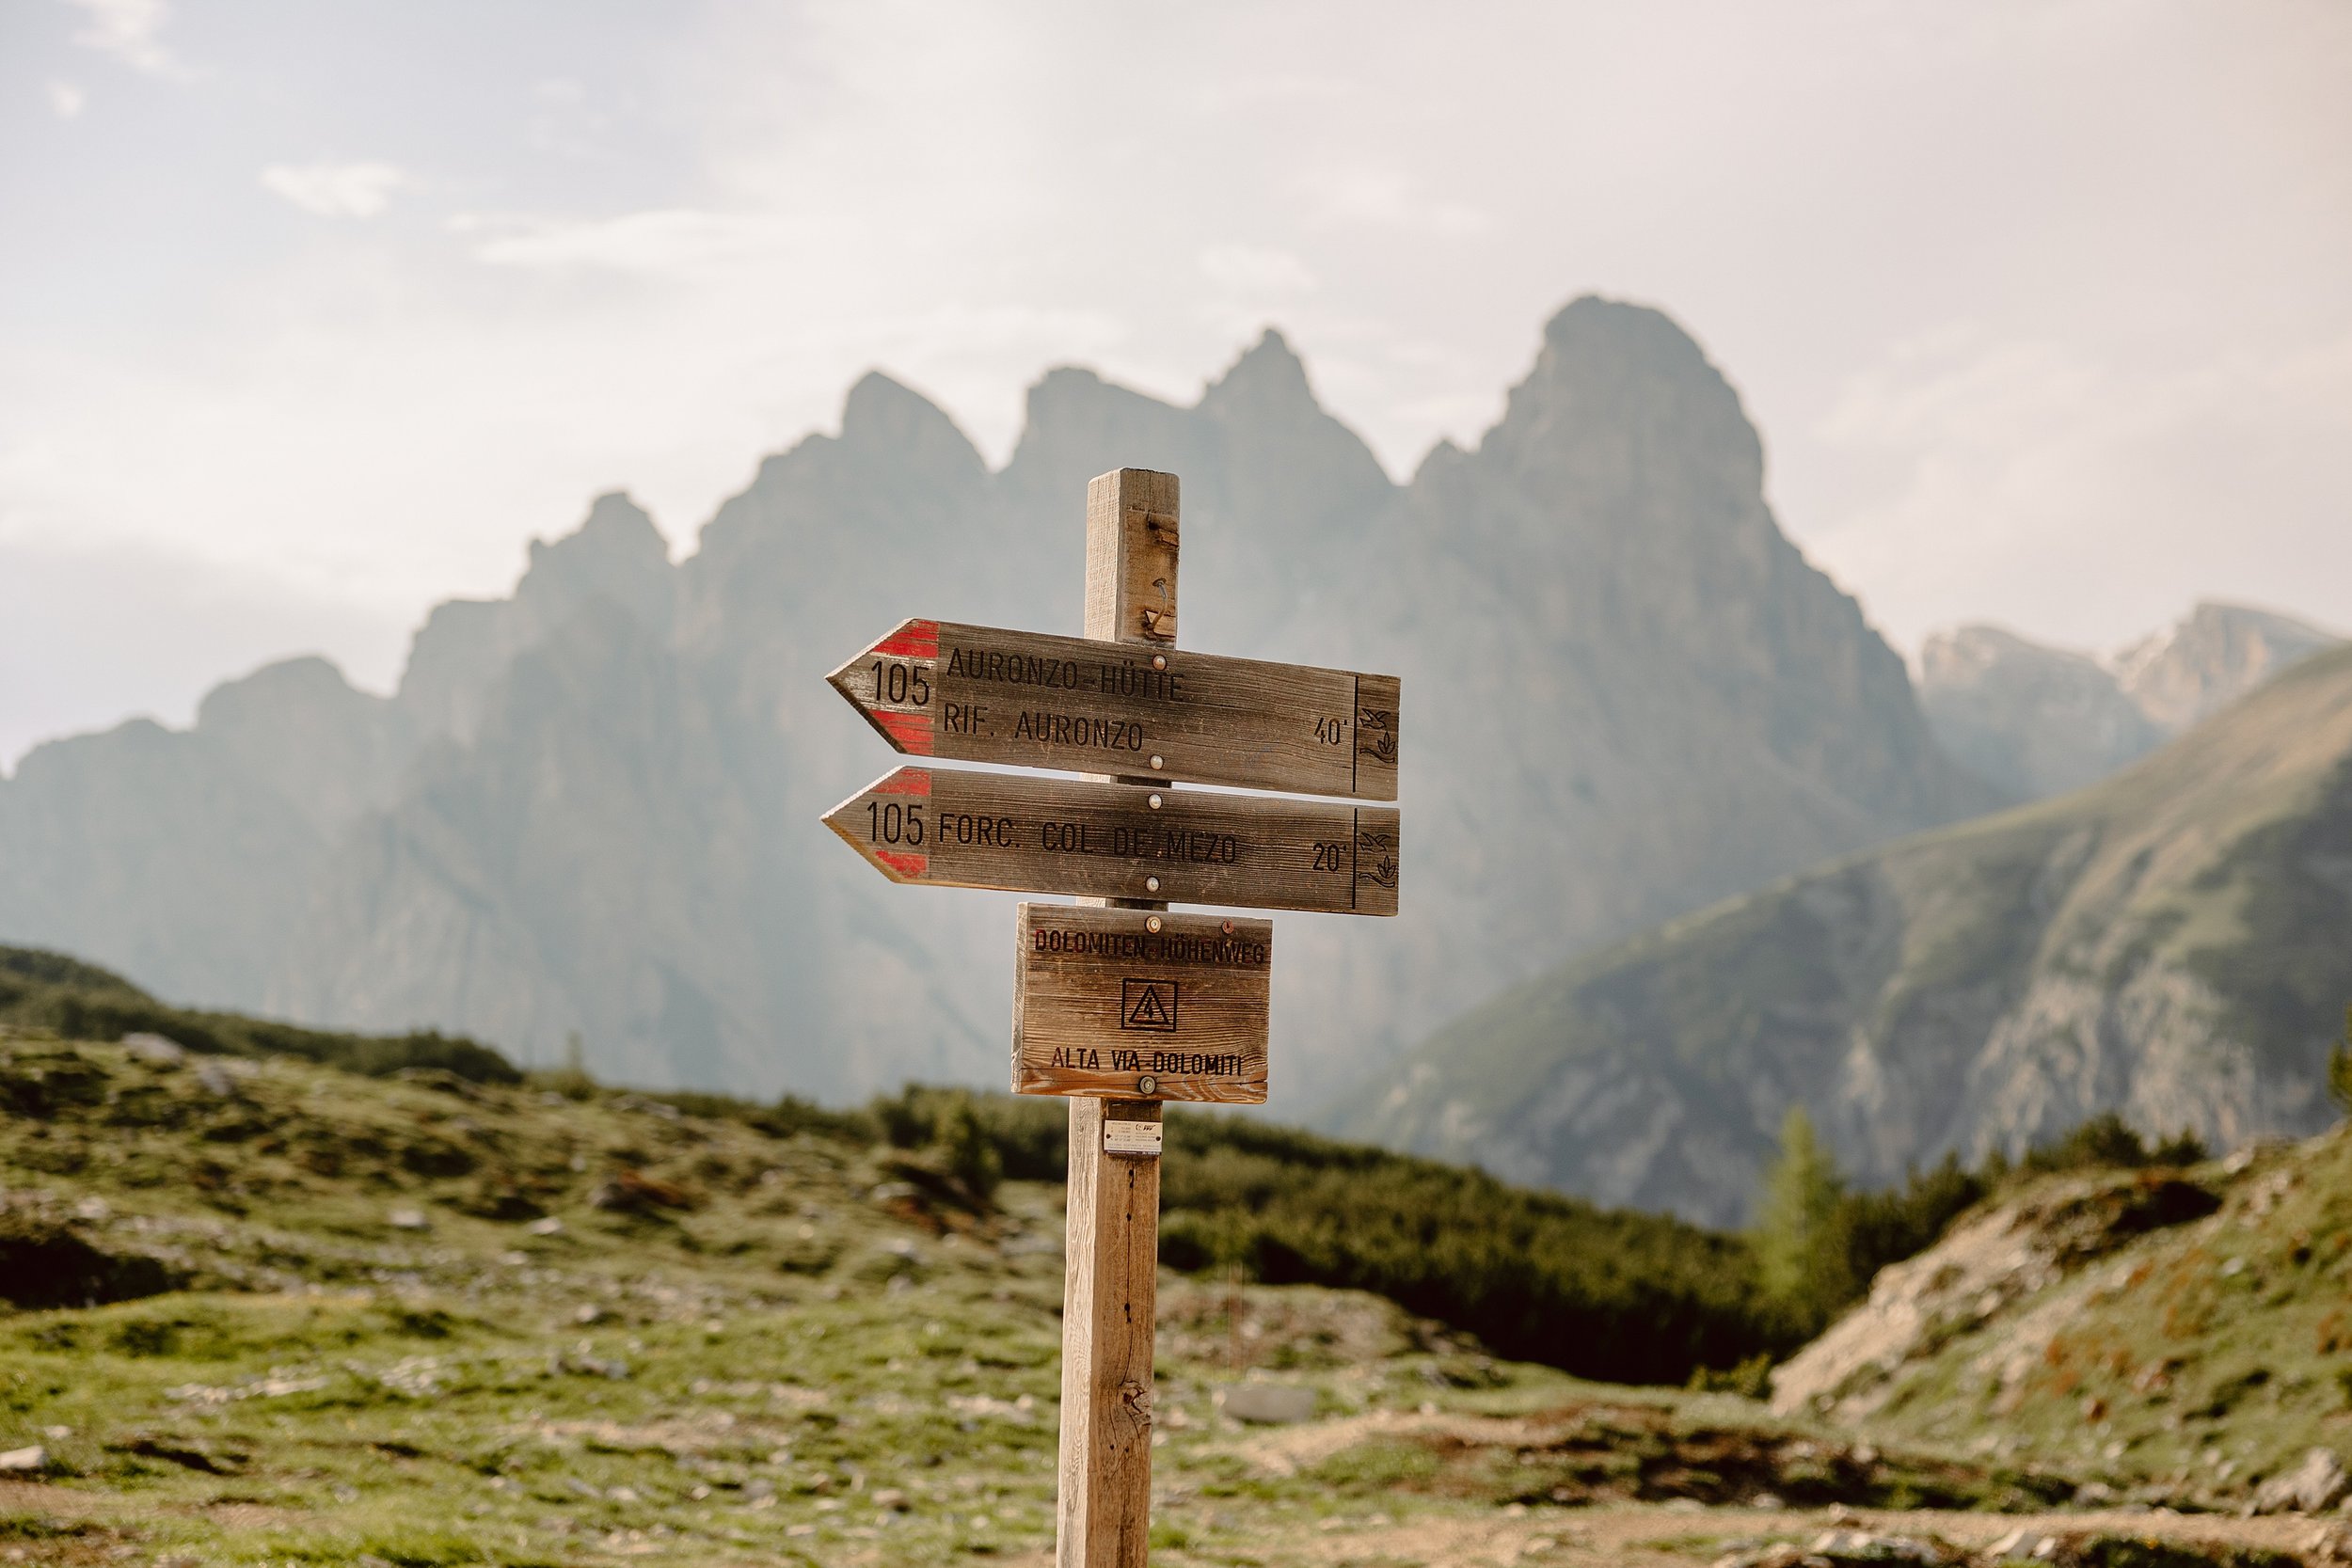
[[886, 418], [1619, 387], [1269, 361], [2213, 655], [1079, 426], [617, 543]]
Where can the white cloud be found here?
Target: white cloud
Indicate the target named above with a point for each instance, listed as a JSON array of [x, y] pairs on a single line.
[[2130, 486], [677, 241], [65, 100], [331, 190], [1250, 269], [128, 30], [1386, 200]]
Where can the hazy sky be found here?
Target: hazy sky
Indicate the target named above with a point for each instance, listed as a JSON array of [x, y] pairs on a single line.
[[310, 315]]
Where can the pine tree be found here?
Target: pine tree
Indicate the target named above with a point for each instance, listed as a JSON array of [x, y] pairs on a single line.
[[2340, 1067], [1800, 1243], [971, 1154]]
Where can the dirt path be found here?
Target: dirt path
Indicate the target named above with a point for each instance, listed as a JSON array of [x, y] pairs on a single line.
[[1643, 1536], [1576, 1538]]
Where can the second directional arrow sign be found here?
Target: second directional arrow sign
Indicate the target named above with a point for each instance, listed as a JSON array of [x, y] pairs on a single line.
[[976, 694], [945, 827]]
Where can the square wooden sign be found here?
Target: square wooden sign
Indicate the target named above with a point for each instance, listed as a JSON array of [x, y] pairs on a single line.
[[1141, 1004]]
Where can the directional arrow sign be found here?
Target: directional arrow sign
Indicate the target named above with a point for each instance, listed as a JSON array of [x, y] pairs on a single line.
[[946, 827], [975, 694]]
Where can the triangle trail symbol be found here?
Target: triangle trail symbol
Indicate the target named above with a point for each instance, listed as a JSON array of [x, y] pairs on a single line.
[[1150, 1011]]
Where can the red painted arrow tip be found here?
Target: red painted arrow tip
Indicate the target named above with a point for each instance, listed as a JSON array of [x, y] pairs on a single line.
[[910, 867], [915, 640], [909, 732]]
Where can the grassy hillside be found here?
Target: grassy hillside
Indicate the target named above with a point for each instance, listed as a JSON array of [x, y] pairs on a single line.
[[2171, 944], [1623, 1296], [2187, 1332], [265, 1311]]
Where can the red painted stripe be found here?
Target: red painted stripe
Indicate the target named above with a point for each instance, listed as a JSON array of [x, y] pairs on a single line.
[[909, 732], [906, 780], [915, 640], [903, 863]]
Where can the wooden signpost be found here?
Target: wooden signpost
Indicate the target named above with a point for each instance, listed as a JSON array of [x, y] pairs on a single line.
[[1118, 1003]]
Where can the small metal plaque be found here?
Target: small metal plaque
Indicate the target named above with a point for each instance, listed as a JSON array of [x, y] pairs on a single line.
[[1131, 1137]]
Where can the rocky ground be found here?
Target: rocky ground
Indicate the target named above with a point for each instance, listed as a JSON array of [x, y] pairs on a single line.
[[272, 1313]]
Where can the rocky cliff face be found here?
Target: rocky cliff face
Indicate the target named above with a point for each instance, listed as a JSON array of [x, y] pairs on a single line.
[[2213, 657], [2035, 721], [592, 806], [2167, 944]]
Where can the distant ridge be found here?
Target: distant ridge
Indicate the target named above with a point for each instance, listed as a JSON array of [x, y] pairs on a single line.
[[2174, 945], [591, 806], [2036, 720]]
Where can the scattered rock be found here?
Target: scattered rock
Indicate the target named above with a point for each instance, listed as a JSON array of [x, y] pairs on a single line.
[[1266, 1404], [2026, 1545], [24, 1461], [408, 1219], [550, 1226], [586, 1313], [892, 1498], [2310, 1487], [631, 1192], [583, 1365], [155, 1050], [214, 1079], [1853, 1545]]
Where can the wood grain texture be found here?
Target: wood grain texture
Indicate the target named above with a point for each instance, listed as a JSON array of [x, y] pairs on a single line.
[[940, 688], [1111, 1292], [1101, 1001], [1132, 542], [944, 827]]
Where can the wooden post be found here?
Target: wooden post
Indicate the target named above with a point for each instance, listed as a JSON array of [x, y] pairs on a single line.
[[1110, 1289]]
